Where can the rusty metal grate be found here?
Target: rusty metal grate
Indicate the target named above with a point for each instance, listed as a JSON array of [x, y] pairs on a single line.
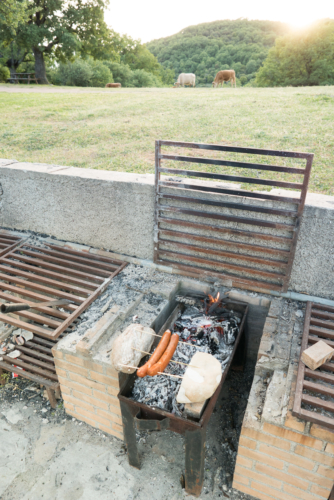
[[202, 229], [317, 407], [32, 274], [8, 242], [35, 363]]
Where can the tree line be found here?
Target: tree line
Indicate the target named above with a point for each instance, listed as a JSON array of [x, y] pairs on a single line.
[[69, 43]]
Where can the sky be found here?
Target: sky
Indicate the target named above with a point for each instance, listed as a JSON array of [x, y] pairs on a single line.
[[151, 19]]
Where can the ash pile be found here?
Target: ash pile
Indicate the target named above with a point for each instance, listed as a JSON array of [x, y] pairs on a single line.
[[205, 325]]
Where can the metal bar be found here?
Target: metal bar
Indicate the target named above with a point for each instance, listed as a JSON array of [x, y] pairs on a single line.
[[316, 374], [92, 256], [313, 340], [37, 362], [44, 272], [43, 320], [129, 431], [31, 368], [80, 260], [47, 265], [321, 323], [298, 220], [10, 248], [89, 270], [322, 389], [301, 367], [35, 354], [156, 199], [319, 403], [232, 149], [236, 280], [45, 310], [87, 302], [233, 206], [195, 456], [327, 334], [229, 218], [26, 326], [28, 293], [218, 241], [31, 376], [232, 231], [321, 314], [233, 178], [234, 164], [223, 253], [227, 265], [232, 192], [48, 281], [32, 345], [323, 307], [41, 288]]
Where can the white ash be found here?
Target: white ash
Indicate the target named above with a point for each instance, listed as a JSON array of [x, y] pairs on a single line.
[[201, 331]]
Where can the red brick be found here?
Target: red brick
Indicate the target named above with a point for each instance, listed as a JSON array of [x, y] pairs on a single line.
[[298, 493], [250, 491], [293, 423], [112, 372], [85, 363], [65, 390], [247, 443], [116, 427], [93, 417], [258, 457], [265, 438], [293, 436], [323, 471], [278, 495], [314, 455], [91, 400], [282, 476], [330, 449], [241, 479], [86, 382], [259, 477], [104, 379], [69, 406], [73, 385], [79, 402], [113, 391], [322, 433], [108, 430], [112, 400], [310, 476], [287, 457], [60, 372], [322, 492], [244, 461], [109, 416], [57, 354]]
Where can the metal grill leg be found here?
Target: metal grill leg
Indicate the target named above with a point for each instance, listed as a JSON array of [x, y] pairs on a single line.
[[331, 496], [195, 455], [129, 431], [52, 397]]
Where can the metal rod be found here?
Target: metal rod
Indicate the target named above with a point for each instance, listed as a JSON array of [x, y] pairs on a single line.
[[171, 361]]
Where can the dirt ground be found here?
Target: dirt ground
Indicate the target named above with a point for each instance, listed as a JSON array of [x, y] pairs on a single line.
[[45, 454]]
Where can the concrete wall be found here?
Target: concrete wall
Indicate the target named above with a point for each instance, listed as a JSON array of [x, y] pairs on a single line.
[[115, 211]]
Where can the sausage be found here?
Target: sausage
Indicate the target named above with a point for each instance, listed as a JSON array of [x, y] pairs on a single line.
[[160, 349], [165, 358]]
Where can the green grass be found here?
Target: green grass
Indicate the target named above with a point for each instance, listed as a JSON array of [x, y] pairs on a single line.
[[94, 128]]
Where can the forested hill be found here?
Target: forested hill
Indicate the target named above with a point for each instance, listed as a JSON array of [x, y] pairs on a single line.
[[207, 48]]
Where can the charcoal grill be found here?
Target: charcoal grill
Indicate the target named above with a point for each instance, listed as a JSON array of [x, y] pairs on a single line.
[[139, 416]]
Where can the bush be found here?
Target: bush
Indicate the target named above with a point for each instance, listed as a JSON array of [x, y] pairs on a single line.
[[121, 73], [141, 78], [4, 73], [82, 73]]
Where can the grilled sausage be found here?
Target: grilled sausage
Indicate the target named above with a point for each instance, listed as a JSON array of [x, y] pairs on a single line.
[[160, 349], [165, 358]]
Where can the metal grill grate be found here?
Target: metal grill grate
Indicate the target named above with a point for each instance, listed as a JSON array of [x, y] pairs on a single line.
[[203, 229], [8, 242], [318, 407], [32, 274]]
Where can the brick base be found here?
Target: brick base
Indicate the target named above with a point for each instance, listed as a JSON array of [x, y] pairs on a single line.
[[90, 392]]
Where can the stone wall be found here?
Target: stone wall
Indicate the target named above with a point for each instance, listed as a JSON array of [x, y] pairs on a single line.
[[115, 211]]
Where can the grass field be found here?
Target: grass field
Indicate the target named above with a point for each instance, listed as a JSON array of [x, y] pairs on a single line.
[[116, 130]]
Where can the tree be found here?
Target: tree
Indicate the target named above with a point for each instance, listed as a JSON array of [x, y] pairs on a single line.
[[302, 58], [61, 29], [12, 12]]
